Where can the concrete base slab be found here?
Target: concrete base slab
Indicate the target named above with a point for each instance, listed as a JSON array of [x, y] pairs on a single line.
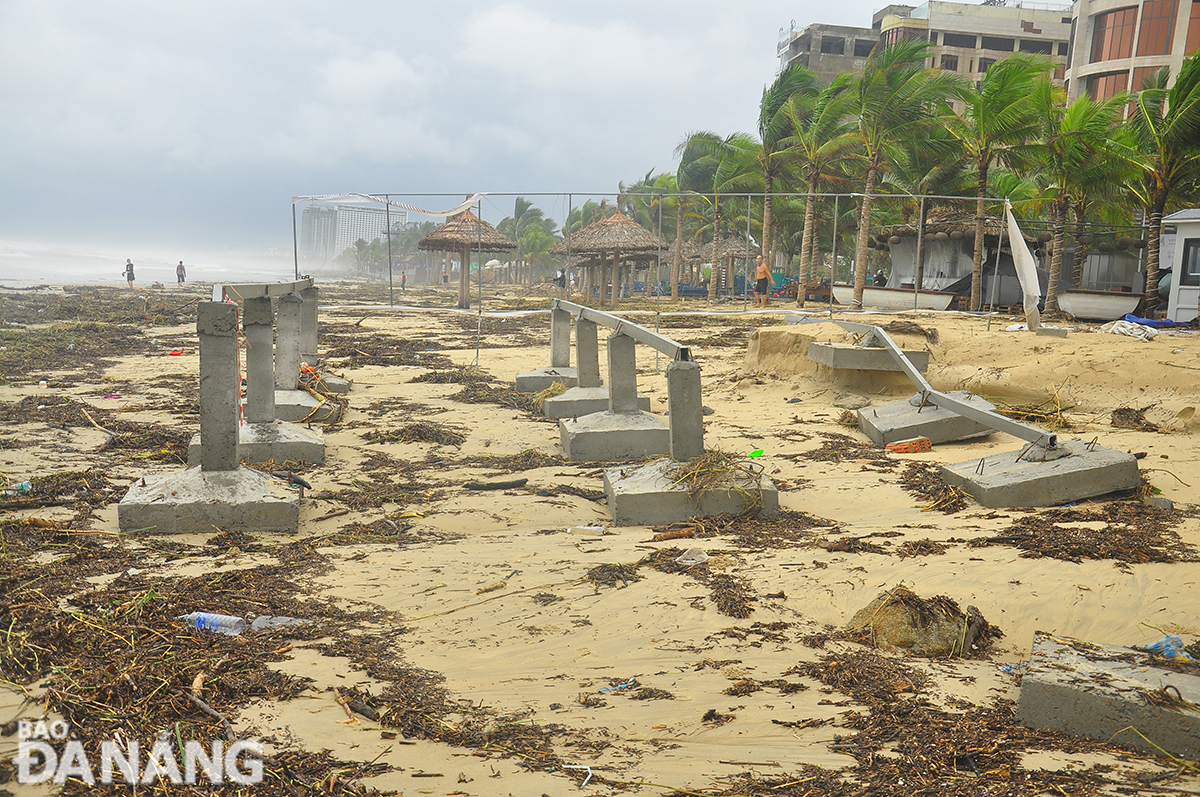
[[1006, 483], [335, 384], [1100, 692], [542, 378], [202, 502], [613, 437], [299, 405], [579, 401], [648, 496], [861, 358], [280, 441], [906, 419]]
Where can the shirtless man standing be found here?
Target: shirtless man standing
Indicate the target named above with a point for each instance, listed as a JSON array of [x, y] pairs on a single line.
[[762, 283]]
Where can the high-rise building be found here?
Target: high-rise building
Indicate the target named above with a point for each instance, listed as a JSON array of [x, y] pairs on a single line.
[[968, 38], [1115, 44], [328, 230], [828, 50]]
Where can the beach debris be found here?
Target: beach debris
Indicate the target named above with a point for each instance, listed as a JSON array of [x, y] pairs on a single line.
[[936, 628], [267, 622], [923, 480], [900, 327], [1132, 418], [758, 452], [1131, 330], [504, 485], [1170, 646], [221, 623], [692, 556], [491, 588], [675, 534], [715, 718], [419, 432], [916, 445]]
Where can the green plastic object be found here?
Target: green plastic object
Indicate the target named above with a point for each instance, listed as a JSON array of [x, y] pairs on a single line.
[[757, 453]]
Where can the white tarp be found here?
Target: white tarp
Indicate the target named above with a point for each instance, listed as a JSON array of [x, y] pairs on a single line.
[[468, 202], [1026, 268]]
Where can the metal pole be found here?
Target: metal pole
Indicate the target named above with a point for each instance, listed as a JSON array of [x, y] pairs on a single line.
[[746, 261], [570, 203], [467, 265], [295, 249], [996, 269], [833, 262], [918, 265], [387, 212], [657, 279]]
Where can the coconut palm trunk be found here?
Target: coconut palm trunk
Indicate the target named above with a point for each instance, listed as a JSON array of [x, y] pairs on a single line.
[[677, 260], [977, 261], [806, 240], [1157, 206], [864, 236], [1081, 251], [713, 269], [768, 232], [1060, 224]]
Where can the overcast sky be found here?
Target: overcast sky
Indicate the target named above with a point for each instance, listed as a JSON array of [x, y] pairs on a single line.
[[146, 123]]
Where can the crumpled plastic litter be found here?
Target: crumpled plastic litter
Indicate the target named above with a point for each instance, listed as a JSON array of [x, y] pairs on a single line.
[[1170, 646], [692, 556], [1126, 328]]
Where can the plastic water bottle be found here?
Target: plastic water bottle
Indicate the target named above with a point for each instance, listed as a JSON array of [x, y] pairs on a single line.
[[221, 623]]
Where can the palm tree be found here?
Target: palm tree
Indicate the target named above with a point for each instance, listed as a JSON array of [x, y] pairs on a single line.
[[525, 217], [774, 127], [694, 174], [996, 123], [1073, 140], [896, 96], [821, 142], [1165, 124]]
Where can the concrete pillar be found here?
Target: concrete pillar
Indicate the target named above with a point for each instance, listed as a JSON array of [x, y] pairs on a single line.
[[587, 354], [622, 374], [287, 341], [687, 410], [308, 326], [258, 326], [220, 397], [560, 338]]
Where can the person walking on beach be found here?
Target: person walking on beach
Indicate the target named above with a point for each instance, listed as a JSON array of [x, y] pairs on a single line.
[[180, 272], [762, 283], [129, 272], [403, 279]]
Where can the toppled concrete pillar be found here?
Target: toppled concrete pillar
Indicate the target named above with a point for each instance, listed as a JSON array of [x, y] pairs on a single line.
[[220, 394], [308, 326], [622, 374], [560, 338], [686, 410], [258, 326], [287, 341], [919, 416], [587, 353]]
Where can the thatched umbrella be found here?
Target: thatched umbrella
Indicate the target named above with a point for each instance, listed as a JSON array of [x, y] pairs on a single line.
[[616, 235], [730, 248], [464, 234]]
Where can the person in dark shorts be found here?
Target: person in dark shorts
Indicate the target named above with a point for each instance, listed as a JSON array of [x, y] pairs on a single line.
[[762, 283], [129, 272], [180, 272]]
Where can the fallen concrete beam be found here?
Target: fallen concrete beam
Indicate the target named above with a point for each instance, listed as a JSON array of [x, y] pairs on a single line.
[[909, 418], [1012, 480], [1106, 692], [649, 496], [861, 358]]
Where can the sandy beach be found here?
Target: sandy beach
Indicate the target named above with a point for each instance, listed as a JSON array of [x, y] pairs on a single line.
[[489, 639]]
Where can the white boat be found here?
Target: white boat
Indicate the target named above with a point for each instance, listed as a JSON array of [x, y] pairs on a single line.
[[893, 298], [1098, 305]]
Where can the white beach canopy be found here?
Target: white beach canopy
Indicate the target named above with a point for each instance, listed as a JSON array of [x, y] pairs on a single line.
[[1026, 267]]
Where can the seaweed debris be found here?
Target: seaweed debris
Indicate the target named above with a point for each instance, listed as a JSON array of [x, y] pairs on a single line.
[[1132, 533], [1132, 418], [419, 432], [922, 480]]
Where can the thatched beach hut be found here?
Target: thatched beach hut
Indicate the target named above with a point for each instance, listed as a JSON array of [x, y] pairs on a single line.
[[466, 233], [616, 236], [727, 250]]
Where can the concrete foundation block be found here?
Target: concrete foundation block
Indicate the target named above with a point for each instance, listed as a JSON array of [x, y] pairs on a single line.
[[298, 405], [335, 384], [906, 419], [1100, 691], [1004, 482], [280, 441], [201, 502], [579, 401], [613, 437], [542, 378], [861, 358], [647, 496]]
